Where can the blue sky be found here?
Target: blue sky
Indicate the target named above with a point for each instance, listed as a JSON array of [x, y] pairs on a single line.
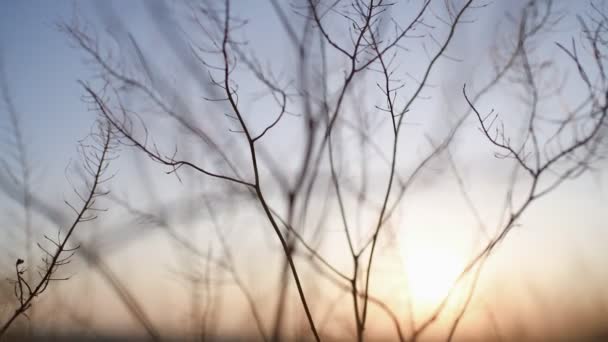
[[43, 69], [42, 72]]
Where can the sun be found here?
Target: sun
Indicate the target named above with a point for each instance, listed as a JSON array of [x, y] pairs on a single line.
[[432, 269]]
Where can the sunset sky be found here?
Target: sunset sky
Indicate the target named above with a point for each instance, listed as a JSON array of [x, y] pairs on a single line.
[[545, 280]]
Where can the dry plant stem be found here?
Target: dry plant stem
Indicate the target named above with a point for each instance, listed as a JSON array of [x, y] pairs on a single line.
[[316, 144], [347, 286], [354, 69], [258, 190], [344, 282], [359, 40], [255, 186], [227, 264], [499, 75], [57, 259], [394, 153], [293, 191], [526, 32], [533, 195], [347, 233], [468, 299], [87, 43], [106, 112]]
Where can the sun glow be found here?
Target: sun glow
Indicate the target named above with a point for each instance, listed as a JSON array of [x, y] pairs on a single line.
[[432, 269]]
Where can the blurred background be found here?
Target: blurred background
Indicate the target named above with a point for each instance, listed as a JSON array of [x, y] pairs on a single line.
[[335, 141]]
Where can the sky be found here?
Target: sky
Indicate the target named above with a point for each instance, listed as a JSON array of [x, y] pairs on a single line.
[[42, 70], [564, 231]]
